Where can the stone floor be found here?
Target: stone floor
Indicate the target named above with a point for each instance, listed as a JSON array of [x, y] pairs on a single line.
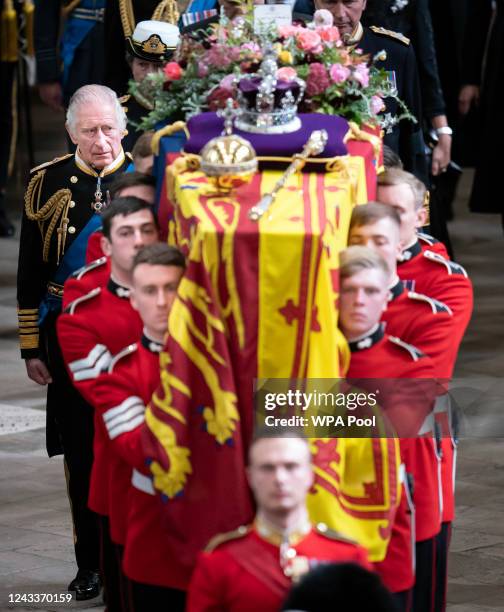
[[35, 529]]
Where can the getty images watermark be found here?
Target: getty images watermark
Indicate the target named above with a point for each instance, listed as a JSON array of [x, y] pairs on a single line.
[[381, 407], [309, 408]]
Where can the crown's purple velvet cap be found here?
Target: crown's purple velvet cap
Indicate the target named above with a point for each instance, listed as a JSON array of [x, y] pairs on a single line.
[[250, 89], [206, 126]]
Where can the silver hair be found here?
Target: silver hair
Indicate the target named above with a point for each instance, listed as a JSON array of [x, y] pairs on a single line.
[[94, 93]]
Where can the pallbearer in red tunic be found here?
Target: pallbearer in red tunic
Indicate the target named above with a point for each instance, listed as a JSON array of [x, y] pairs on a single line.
[[414, 317], [427, 324], [94, 327], [253, 567], [387, 360], [422, 269], [425, 270], [121, 399]]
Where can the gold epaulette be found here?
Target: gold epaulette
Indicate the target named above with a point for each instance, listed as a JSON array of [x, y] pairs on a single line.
[[131, 348], [124, 99], [397, 35], [221, 538], [50, 163], [323, 529]]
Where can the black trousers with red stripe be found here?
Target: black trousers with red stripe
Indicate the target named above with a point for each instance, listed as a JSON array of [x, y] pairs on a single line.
[[403, 601], [110, 567], [425, 577], [442, 545], [69, 431]]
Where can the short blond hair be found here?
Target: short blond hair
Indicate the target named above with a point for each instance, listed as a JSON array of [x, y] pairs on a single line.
[[356, 258], [396, 176]]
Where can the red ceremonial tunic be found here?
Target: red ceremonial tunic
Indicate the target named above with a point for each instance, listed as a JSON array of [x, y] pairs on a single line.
[[423, 322], [94, 249], [87, 278], [425, 271], [123, 396], [429, 243], [246, 572], [380, 356], [427, 324], [91, 330]]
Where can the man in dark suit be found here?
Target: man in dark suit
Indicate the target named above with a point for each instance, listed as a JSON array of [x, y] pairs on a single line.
[[406, 137]]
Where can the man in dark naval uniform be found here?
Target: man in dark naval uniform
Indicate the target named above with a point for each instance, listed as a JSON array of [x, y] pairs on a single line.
[[406, 137], [62, 202], [79, 50], [147, 50]]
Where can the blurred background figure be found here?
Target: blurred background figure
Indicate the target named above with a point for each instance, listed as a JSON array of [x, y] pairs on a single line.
[[252, 568], [8, 102], [77, 57], [482, 80], [449, 20], [413, 19]]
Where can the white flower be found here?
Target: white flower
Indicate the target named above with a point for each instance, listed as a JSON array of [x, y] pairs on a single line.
[[323, 18], [399, 5]]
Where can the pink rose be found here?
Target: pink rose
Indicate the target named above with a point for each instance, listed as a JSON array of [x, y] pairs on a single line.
[[339, 73], [218, 56], [288, 31], [377, 105], [308, 40], [228, 82], [323, 18], [202, 70], [234, 53], [286, 73], [361, 75], [172, 71], [317, 81], [331, 35], [252, 47]]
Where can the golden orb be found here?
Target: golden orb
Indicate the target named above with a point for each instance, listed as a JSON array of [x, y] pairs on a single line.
[[229, 161]]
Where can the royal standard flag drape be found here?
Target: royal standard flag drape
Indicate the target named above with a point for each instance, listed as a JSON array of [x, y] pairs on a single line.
[[258, 300]]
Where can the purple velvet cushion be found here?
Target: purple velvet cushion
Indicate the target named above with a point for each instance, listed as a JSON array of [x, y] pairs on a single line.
[[206, 126]]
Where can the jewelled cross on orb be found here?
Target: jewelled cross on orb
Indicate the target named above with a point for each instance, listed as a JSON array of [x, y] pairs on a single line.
[[228, 114]]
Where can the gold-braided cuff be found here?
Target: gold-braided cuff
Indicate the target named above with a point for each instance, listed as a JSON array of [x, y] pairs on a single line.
[[28, 328]]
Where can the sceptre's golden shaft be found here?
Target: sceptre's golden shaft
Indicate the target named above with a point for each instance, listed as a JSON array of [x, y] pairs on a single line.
[[314, 145]]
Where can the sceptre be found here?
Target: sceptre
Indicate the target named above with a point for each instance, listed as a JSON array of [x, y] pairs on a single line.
[[314, 146]]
